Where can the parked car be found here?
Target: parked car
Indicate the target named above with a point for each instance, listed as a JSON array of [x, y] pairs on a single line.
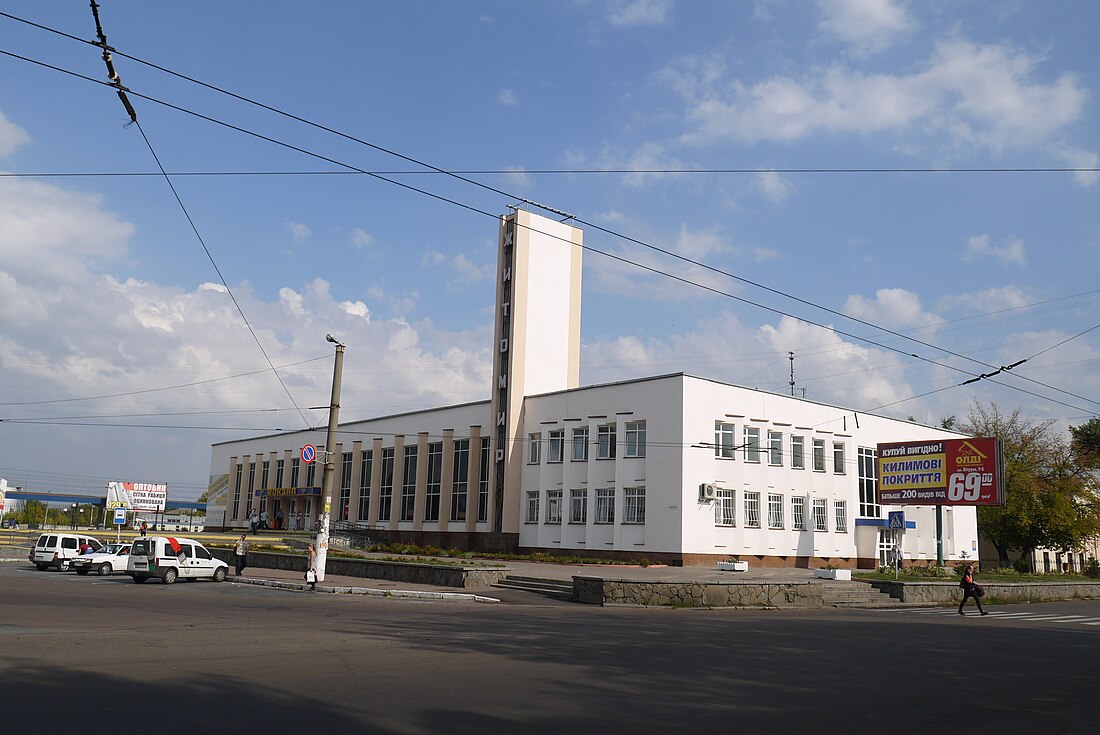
[[171, 558], [56, 549], [111, 559]]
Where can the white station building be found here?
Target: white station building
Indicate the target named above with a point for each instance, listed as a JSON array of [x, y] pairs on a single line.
[[674, 468]]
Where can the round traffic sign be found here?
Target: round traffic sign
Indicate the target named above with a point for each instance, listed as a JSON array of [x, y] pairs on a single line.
[[309, 453]]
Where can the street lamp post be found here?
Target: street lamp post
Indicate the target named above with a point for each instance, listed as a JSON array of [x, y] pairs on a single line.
[[330, 459], [72, 517]]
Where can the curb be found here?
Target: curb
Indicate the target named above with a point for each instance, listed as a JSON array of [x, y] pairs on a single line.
[[366, 591]]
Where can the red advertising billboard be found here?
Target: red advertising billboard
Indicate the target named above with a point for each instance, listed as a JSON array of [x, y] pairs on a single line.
[[941, 472]]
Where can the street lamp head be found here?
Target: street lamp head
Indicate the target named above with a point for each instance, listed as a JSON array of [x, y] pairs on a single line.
[[333, 340]]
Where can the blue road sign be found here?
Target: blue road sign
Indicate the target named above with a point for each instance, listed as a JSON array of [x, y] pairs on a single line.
[[897, 520], [309, 453]]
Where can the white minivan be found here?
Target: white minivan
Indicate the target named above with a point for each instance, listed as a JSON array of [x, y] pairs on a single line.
[[171, 558], [57, 549]]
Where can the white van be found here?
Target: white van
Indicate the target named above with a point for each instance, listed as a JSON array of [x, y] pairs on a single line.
[[171, 558], [56, 549]]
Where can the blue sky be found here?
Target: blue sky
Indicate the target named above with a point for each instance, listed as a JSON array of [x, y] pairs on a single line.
[[105, 290]]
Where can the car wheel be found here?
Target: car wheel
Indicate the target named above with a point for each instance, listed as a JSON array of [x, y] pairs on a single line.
[[42, 567], [63, 566], [219, 574], [81, 572], [105, 568], [170, 575]]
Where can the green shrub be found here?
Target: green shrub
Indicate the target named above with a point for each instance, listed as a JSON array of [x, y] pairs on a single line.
[[1022, 565], [1092, 568]]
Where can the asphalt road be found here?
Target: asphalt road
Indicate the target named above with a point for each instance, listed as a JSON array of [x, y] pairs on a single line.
[[104, 655]]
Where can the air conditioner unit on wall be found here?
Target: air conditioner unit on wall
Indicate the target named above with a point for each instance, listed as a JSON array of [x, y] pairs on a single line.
[[708, 491]]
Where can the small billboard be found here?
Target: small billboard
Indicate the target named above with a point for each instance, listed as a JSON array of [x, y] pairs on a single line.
[[941, 472], [136, 496]]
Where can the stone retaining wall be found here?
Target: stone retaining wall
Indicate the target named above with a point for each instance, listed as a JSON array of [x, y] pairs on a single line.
[[598, 591], [943, 593], [412, 573]]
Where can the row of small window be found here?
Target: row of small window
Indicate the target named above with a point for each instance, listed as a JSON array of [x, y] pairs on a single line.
[[634, 436], [725, 448], [725, 512], [633, 506]]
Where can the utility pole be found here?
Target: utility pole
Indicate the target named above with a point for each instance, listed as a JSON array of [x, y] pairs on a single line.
[[330, 458], [790, 356]]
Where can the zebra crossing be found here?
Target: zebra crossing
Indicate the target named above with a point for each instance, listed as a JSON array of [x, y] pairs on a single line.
[[996, 615]]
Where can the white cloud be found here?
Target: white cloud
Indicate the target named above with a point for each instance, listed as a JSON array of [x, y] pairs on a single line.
[[518, 177], [1080, 159], [980, 246], [986, 301], [356, 308], [775, 187], [868, 26], [298, 231], [11, 136], [632, 13], [507, 98], [361, 238], [974, 94], [763, 255], [432, 258], [464, 269], [894, 308]]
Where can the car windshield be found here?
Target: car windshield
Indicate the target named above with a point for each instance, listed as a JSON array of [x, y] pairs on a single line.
[[113, 548]]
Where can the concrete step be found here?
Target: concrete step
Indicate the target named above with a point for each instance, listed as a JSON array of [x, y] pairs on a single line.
[[855, 594], [556, 588]]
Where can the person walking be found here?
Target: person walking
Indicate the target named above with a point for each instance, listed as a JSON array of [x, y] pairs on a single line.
[[263, 520], [970, 589], [240, 551], [279, 517], [311, 569], [144, 528]]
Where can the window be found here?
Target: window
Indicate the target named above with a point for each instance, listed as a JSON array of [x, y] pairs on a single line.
[[775, 448], [295, 468], [278, 473], [433, 485], [634, 505], [553, 506], [201, 553], [723, 508], [752, 510], [752, 444], [840, 516], [723, 440], [605, 442], [838, 458], [408, 484], [775, 510], [534, 445], [237, 492], [578, 506], [385, 489], [345, 487], [532, 506], [868, 485], [251, 486], [264, 474], [635, 438], [820, 522], [605, 505], [460, 473], [798, 512], [580, 445], [555, 448], [798, 452], [366, 466], [483, 481], [311, 474], [819, 455]]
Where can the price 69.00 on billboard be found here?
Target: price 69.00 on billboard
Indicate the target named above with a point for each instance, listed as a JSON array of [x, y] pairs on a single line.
[[941, 472]]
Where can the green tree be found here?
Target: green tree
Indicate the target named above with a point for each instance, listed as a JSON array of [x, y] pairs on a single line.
[[1086, 442], [1049, 499]]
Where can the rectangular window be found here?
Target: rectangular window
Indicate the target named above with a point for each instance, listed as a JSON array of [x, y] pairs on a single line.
[[264, 474], [279, 473], [605, 505], [723, 440], [555, 446], [868, 484], [534, 445], [460, 473], [366, 466], [236, 492], [434, 483], [840, 516], [798, 452], [605, 442], [532, 506], [838, 458], [385, 489], [580, 445], [798, 512], [819, 455], [408, 484], [553, 506], [724, 514], [775, 510], [251, 485], [345, 487], [775, 448], [635, 438], [752, 510], [821, 523], [752, 444], [634, 505], [295, 470], [311, 474], [483, 481], [578, 506]]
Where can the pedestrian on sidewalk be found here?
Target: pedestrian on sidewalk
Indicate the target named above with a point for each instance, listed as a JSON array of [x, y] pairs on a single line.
[[971, 589], [240, 551], [311, 568]]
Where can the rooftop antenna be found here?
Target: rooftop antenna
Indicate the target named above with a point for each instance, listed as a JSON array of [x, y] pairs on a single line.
[[790, 356]]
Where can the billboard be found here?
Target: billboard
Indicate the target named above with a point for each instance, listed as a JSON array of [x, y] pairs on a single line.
[[136, 496], [941, 472]]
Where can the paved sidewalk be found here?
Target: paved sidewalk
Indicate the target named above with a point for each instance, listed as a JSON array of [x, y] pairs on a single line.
[[335, 584]]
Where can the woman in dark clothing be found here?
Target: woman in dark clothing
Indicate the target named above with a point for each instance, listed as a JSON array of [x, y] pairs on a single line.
[[969, 590]]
